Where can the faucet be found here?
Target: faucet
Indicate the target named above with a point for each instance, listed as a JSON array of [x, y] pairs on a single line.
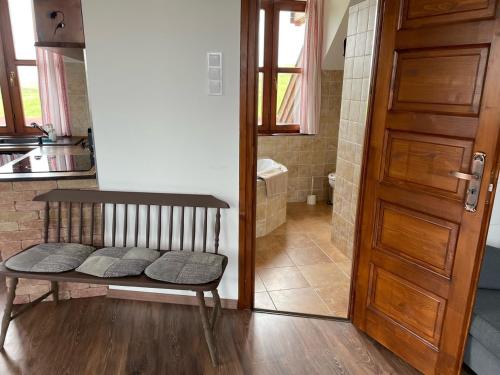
[[46, 134]]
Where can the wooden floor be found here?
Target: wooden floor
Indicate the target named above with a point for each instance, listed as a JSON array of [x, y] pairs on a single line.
[[107, 336]]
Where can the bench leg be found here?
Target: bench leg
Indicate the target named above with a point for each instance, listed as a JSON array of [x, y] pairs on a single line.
[[217, 308], [7, 312], [54, 288], [209, 336]]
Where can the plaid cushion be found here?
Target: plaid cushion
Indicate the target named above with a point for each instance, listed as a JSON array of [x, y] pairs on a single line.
[[186, 267], [50, 258], [118, 261]]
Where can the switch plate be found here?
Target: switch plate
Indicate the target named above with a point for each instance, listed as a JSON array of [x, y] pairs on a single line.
[[214, 60]]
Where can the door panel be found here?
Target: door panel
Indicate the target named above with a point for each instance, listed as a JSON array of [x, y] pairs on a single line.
[[436, 104]]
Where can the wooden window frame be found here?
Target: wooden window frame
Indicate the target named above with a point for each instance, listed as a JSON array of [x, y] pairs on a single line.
[[271, 68], [11, 92]]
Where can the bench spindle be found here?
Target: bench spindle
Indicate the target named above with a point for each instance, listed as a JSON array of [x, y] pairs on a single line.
[[58, 222], [46, 223], [92, 213], [182, 228], [80, 232], [193, 235], [136, 235], [70, 206], [148, 224], [217, 231], [158, 243], [171, 226], [113, 234], [205, 222], [125, 225], [103, 222]]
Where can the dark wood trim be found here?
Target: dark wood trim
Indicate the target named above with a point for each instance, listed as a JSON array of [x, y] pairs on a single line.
[[248, 150], [271, 68], [167, 298], [11, 64]]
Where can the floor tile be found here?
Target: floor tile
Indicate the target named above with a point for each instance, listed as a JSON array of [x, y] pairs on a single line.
[[282, 278], [271, 256], [304, 301], [336, 298], [259, 286], [329, 249], [346, 267], [263, 301], [308, 255], [324, 274]]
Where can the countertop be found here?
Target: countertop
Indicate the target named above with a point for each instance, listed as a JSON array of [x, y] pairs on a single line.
[[48, 150], [6, 147]]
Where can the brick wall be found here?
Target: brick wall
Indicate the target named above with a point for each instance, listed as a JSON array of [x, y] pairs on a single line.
[[21, 225]]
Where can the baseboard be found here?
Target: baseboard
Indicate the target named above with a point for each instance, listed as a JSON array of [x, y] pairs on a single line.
[[167, 298]]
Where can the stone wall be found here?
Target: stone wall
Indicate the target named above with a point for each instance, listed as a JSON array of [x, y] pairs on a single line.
[[306, 156], [356, 86], [21, 226]]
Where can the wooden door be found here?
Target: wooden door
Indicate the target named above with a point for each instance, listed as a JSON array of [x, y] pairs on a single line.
[[436, 102]]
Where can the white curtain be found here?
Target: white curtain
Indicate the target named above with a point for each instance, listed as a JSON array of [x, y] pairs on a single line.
[[311, 77], [53, 91]]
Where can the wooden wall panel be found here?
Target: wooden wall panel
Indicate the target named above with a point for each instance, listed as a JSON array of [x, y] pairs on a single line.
[[416, 309], [418, 13], [440, 80], [424, 162], [421, 238]]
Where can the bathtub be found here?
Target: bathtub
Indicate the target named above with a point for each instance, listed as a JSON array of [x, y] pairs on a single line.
[[271, 211]]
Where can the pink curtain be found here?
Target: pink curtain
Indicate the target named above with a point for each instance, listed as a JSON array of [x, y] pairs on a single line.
[[53, 91], [311, 78]]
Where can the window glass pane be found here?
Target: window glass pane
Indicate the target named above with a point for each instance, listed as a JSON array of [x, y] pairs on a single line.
[[288, 99], [21, 18], [291, 38], [262, 29], [260, 99], [3, 122], [30, 94]]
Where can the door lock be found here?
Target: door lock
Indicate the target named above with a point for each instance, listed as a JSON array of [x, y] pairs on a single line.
[[12, 79], [477, 169]]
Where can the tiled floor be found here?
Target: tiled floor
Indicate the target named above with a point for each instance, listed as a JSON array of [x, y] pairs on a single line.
[[297, 267]]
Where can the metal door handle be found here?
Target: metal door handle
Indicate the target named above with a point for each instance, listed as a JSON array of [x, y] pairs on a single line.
[[12, 79], [464, 176], [477, 168]]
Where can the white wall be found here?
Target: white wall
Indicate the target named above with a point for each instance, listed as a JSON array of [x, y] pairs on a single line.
[[334, 34], [155, 127], [494, 230]]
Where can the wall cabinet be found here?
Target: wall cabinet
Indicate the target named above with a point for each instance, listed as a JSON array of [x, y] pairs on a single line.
[[59, 26]]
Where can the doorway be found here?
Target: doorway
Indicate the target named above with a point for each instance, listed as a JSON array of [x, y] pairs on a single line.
[[305, 227]]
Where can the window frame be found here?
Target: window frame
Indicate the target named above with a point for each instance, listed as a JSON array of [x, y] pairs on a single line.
[[11, 93], [271, 68]]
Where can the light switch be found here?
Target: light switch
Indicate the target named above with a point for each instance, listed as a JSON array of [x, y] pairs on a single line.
[[214, 73]]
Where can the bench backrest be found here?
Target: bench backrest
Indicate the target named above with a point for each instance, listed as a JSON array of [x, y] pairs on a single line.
[[125, 219]]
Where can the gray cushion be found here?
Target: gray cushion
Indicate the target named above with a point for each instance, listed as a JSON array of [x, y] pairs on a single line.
[[480, 359], [490, 270], [186, 267], [50, 258], [485, 326], [118, 261]]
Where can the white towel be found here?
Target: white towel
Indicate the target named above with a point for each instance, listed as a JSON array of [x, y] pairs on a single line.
[[276, 181]]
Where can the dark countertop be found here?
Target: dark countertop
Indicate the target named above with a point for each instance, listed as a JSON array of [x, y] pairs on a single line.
[[58, 151], [6, 146]]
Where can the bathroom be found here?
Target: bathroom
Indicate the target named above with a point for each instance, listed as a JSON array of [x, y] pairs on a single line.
[[306, 216]]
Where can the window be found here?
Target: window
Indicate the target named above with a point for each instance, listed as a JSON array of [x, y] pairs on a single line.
[[19, 91], [281, 41]]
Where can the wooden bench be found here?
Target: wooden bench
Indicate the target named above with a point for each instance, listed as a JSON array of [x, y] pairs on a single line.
[[91, 209]]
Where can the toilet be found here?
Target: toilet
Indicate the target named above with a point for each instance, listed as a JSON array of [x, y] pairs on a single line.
[[331, 181]]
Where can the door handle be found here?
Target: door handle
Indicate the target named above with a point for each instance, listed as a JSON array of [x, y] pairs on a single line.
[[474, 179], [12, 79]]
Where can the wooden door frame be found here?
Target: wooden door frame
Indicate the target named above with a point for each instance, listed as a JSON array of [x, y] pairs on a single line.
[[248, 150]]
